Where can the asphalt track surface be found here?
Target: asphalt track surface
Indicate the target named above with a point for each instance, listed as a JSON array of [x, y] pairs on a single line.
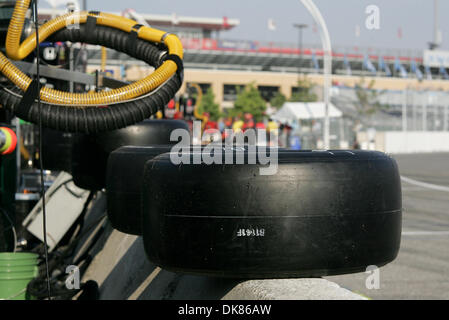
[[421, 270]]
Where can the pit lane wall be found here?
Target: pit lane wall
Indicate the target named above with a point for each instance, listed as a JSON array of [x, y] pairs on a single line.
[[122, 271], [400, 142]]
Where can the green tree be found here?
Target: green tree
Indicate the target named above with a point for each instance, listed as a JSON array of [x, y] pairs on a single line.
[[367, 99], [367, 104], [250, 101], [304, 93], [278, 100], [208, 105]]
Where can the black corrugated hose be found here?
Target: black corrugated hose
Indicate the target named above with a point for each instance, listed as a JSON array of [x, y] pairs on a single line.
[[98, 119]]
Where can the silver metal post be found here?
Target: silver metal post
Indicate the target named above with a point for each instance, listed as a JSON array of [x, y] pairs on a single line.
[[435, 23], [300, 27], [445, 117], [414, 111], [327, 72], [404, 111], [424, 113]]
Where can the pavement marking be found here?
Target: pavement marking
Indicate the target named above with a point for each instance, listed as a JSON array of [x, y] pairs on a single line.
[[425, 185], [412, 188], [144, 284], [425, 233]]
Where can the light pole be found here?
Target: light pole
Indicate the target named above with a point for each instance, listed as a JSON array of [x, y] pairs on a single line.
[[300, 27], [404, 110], [436, 31], [327, 49]]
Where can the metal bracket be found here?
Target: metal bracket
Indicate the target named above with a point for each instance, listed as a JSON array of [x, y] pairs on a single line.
[[66, 75]]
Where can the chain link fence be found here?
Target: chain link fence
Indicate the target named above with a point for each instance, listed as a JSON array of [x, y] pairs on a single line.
[[406, 110]]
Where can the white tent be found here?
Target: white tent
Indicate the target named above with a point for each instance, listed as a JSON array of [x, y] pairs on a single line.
[[304, 110]]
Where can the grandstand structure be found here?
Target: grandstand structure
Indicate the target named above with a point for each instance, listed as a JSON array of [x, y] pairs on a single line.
[[224, 64]]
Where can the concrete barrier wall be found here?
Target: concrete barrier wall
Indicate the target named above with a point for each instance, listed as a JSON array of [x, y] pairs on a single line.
[[123, 271], [399, 142], [416, 141]]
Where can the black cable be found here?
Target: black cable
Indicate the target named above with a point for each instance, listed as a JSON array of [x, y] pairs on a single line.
[[63, 252], [39, 106], [36, 286], [12, 227]]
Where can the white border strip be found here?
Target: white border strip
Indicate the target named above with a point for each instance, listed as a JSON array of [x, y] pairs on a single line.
[[425, 185], [425, 233]]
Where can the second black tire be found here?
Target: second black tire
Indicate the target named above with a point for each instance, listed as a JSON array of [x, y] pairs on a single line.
[[91, 152], [124, 178]]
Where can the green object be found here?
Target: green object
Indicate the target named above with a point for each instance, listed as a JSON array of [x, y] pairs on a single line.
[[278, 100], [16, 271], [24, 122], [304, 91], [249, 100], [208, 105]]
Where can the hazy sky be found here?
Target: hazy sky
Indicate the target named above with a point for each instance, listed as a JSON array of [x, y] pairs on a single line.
[[413, 17]]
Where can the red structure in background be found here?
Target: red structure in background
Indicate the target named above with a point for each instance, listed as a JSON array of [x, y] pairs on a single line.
[[274, 48]]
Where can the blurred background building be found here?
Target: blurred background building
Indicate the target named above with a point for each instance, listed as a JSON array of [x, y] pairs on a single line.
[[377, 89]]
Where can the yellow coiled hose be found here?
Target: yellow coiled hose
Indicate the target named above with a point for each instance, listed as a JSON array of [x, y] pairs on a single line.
[[104, 58], [199, 98], [201, 116], [17, 51]]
